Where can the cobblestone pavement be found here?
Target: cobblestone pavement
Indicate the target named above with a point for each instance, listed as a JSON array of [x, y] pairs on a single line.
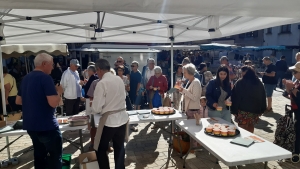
[[149, 148]]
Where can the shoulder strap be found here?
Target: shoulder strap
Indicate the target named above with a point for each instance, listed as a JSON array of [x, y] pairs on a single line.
[[12, 84]]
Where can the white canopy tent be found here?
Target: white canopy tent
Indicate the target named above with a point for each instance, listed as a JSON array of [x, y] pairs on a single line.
[[155, 21], [142, 21]]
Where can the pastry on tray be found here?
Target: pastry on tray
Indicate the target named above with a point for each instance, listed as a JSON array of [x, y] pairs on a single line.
[[209, 129], [231, 132], [224, 132], [216, 131]]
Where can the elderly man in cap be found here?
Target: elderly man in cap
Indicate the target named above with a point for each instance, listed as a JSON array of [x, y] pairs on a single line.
[[269, 80], [71, 84]]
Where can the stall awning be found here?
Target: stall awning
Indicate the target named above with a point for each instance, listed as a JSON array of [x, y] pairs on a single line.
[[270, 48], [18, 50], [217, 46]]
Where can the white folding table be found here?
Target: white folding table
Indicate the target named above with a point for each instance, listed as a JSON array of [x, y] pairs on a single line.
[[62, 127], [231, 154], [134, 119]]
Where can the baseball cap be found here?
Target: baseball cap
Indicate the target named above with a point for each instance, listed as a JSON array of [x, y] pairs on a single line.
[[75, 62], [266, 58], [296, 67]]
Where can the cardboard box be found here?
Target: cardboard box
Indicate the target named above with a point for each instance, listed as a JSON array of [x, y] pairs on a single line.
[[2, 124], [88, 160]]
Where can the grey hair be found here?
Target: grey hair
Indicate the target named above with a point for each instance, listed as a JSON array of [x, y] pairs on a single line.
[[224, 58], [103, 64], [135, 62], [190, 68], [92, 68], [151, 59], [112, 71], [157, 69], [297, 54], [42, 57], [185, 61]]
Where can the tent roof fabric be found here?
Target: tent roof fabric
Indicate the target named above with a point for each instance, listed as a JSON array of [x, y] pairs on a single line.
[[253, 8], [136, 21], [177, 47], [33, 49]]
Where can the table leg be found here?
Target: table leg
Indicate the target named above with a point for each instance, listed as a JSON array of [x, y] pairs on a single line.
[[266, 165], [80, 139], [8, 149], [187, 154], [178, 141]]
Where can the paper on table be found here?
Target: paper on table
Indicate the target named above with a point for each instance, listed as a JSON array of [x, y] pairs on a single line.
[[255, 139]]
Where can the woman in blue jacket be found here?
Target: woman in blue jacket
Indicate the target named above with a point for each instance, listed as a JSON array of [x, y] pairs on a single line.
[[217, 92]]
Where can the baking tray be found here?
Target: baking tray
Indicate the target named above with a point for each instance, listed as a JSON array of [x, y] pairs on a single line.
[[78, 123]]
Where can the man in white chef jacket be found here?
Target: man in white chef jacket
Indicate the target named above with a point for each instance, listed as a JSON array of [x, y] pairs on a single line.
[[109, 102]]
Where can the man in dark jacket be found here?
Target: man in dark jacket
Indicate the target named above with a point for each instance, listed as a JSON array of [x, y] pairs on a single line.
[[281, 68]]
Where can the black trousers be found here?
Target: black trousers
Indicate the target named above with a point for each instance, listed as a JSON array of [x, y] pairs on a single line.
[[117, 135], [297, 127], [72, 106], [128, 104]]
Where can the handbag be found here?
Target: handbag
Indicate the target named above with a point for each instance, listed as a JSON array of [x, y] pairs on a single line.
[[156, 100], [167, 101]]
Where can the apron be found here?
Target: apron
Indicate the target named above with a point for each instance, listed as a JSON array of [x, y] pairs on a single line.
[[102, 122]]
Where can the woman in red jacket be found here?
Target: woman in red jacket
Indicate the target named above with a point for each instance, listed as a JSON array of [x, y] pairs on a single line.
[[159, 83]]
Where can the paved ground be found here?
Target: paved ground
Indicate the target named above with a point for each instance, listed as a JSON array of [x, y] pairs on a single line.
[[149, 148]]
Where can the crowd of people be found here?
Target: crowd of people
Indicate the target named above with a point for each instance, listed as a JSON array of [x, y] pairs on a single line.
[[109, 92]]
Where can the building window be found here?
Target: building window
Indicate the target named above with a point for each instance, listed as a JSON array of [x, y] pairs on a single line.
[[285, 29], [252, 34], [269, 31]]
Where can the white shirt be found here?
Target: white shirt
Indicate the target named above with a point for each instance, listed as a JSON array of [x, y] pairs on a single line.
[[110, 95], [149, 73]]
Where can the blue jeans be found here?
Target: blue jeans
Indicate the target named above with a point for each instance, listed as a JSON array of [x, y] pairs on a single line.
[[224, 114], [47, 149]]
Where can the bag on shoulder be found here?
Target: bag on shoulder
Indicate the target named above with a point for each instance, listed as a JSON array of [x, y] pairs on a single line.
[[285, 134]]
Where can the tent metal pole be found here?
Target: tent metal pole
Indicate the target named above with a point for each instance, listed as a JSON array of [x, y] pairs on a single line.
[[3, 99], [80, 58], [172, 53]]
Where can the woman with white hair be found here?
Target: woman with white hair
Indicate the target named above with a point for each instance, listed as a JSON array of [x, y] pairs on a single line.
[[159, 83], [191, 93]]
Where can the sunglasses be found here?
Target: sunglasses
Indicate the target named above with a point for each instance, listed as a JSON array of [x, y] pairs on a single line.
[[119, 61], [132, 66], [295, 72]]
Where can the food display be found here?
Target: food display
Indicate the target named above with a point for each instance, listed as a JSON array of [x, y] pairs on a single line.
[[219, 108], [221, 130], [228, 103], [63, 121], [163, 110]]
